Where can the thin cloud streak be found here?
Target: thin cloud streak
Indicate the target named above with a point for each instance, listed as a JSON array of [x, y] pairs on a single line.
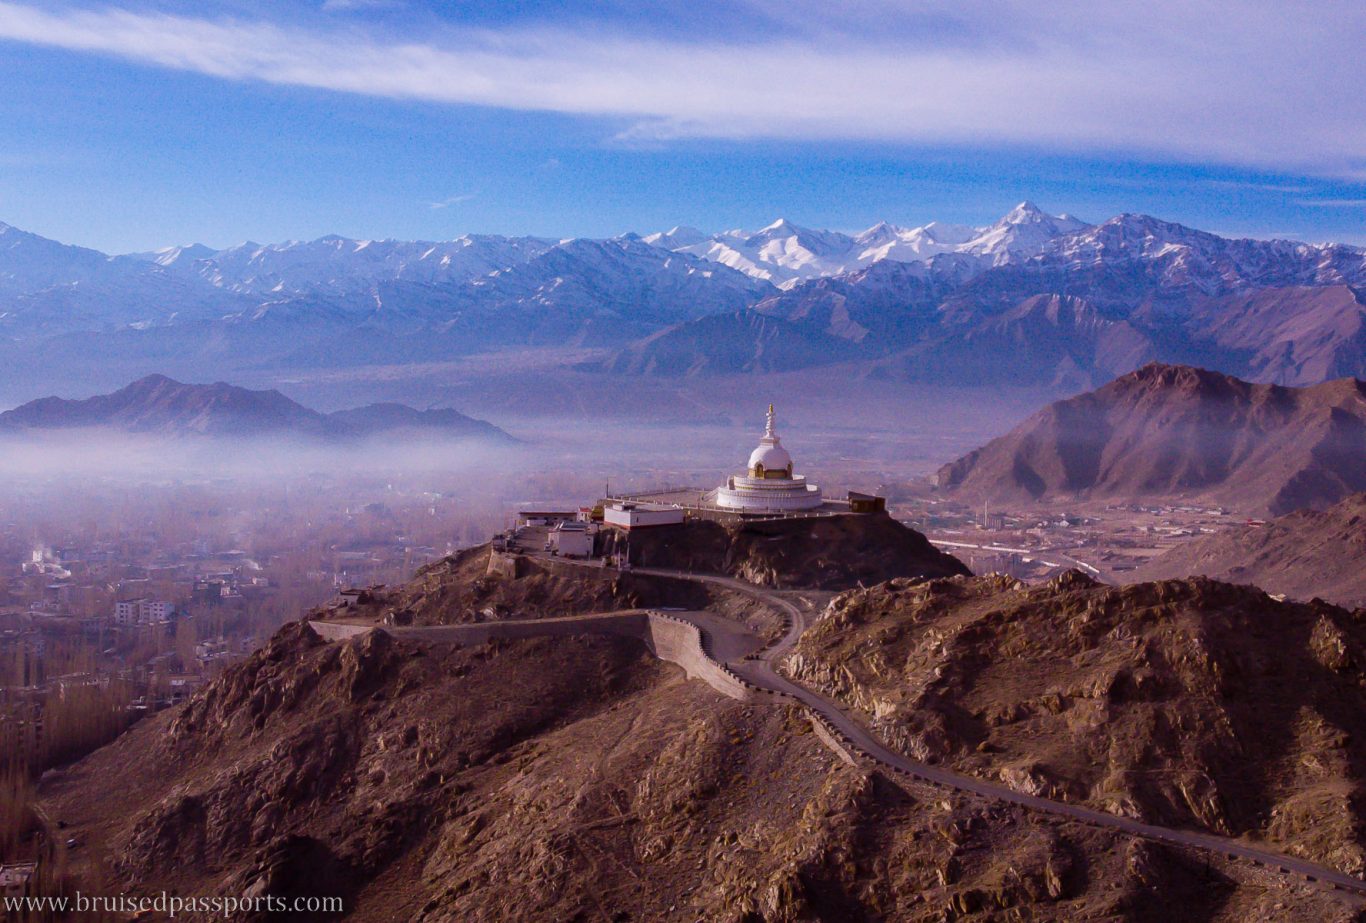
[[451, 200], [351, 6], [1332, 203], [1262, 85]]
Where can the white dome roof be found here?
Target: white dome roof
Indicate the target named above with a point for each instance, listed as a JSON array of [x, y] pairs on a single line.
[[771, 457]]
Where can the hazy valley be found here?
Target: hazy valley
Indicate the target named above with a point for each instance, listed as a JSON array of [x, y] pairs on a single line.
[[312, 614]]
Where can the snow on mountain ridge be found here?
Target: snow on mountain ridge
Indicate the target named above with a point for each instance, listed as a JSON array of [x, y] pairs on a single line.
[[334, 263], [785, 253]]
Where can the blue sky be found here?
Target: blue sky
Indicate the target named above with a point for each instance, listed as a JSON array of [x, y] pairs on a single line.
[[138, 125]]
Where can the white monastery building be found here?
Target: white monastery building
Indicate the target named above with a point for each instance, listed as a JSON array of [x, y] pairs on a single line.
[[630, 515], [769, 485]]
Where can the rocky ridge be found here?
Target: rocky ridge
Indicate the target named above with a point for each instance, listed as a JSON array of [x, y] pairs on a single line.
[[1304, 554], [1184, 703]]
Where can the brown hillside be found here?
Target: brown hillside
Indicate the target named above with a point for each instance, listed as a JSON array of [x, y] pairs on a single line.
[[581, 780], [1303, 554], [1188, 703], [1179, 432]]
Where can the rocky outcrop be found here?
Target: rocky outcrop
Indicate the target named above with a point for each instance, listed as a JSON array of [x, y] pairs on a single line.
[[466, 588], [1185, 703], [832, 552]]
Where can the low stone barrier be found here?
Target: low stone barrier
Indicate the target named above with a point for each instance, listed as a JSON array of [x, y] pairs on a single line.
[[338, 631], [668, 637], [830, 738]]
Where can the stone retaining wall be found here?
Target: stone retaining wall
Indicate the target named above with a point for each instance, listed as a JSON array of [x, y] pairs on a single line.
[[668, 637], [337, 631], [678, 641]]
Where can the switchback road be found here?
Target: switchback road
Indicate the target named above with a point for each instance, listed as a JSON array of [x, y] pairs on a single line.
[[740, 652]]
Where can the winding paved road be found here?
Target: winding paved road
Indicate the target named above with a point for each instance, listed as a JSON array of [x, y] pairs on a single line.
[[730, 643]]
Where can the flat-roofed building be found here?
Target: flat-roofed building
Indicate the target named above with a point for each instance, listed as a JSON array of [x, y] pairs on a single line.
[[572, 539], [628, 515]]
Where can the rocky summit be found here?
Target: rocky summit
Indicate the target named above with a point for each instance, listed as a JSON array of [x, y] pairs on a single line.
[[1179, 433]]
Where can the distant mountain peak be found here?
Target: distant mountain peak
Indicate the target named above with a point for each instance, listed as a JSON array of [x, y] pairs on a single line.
[[881, 232], [158, 404], [1025, 211], [174, 256], [154, 380], [1179, 433]]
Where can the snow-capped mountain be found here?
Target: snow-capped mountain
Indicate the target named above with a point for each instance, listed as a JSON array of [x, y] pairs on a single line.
[[1031, 297], [337, 264], [1177, 256], [785, 254], [29, 263], [1037, 298], [676, 238], [51, 287], [177, 257]]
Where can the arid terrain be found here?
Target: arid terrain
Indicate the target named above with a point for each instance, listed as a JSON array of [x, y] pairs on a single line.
[[1303, 554], [698, 462], [1179, 433], [1193, 704], [580, 778]]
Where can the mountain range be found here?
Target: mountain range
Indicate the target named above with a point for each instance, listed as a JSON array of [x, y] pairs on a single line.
[[160, 405], [786, 254], [1029, 299], [1179, 433]]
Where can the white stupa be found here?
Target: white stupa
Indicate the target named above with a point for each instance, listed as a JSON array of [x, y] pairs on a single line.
[[769, 486]]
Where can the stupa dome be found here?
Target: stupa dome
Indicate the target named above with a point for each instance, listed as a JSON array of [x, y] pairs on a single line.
[[772, 457]]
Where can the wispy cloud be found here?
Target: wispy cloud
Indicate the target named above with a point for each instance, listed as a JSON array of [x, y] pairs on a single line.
[[451, 200], [349, 6], [1251, 82], [1258, 186], [1332, 203]]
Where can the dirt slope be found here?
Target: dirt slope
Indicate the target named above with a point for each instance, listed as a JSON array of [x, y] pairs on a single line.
[[1302, 555], [1177, 432], [581, 780], [1187, 703]]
